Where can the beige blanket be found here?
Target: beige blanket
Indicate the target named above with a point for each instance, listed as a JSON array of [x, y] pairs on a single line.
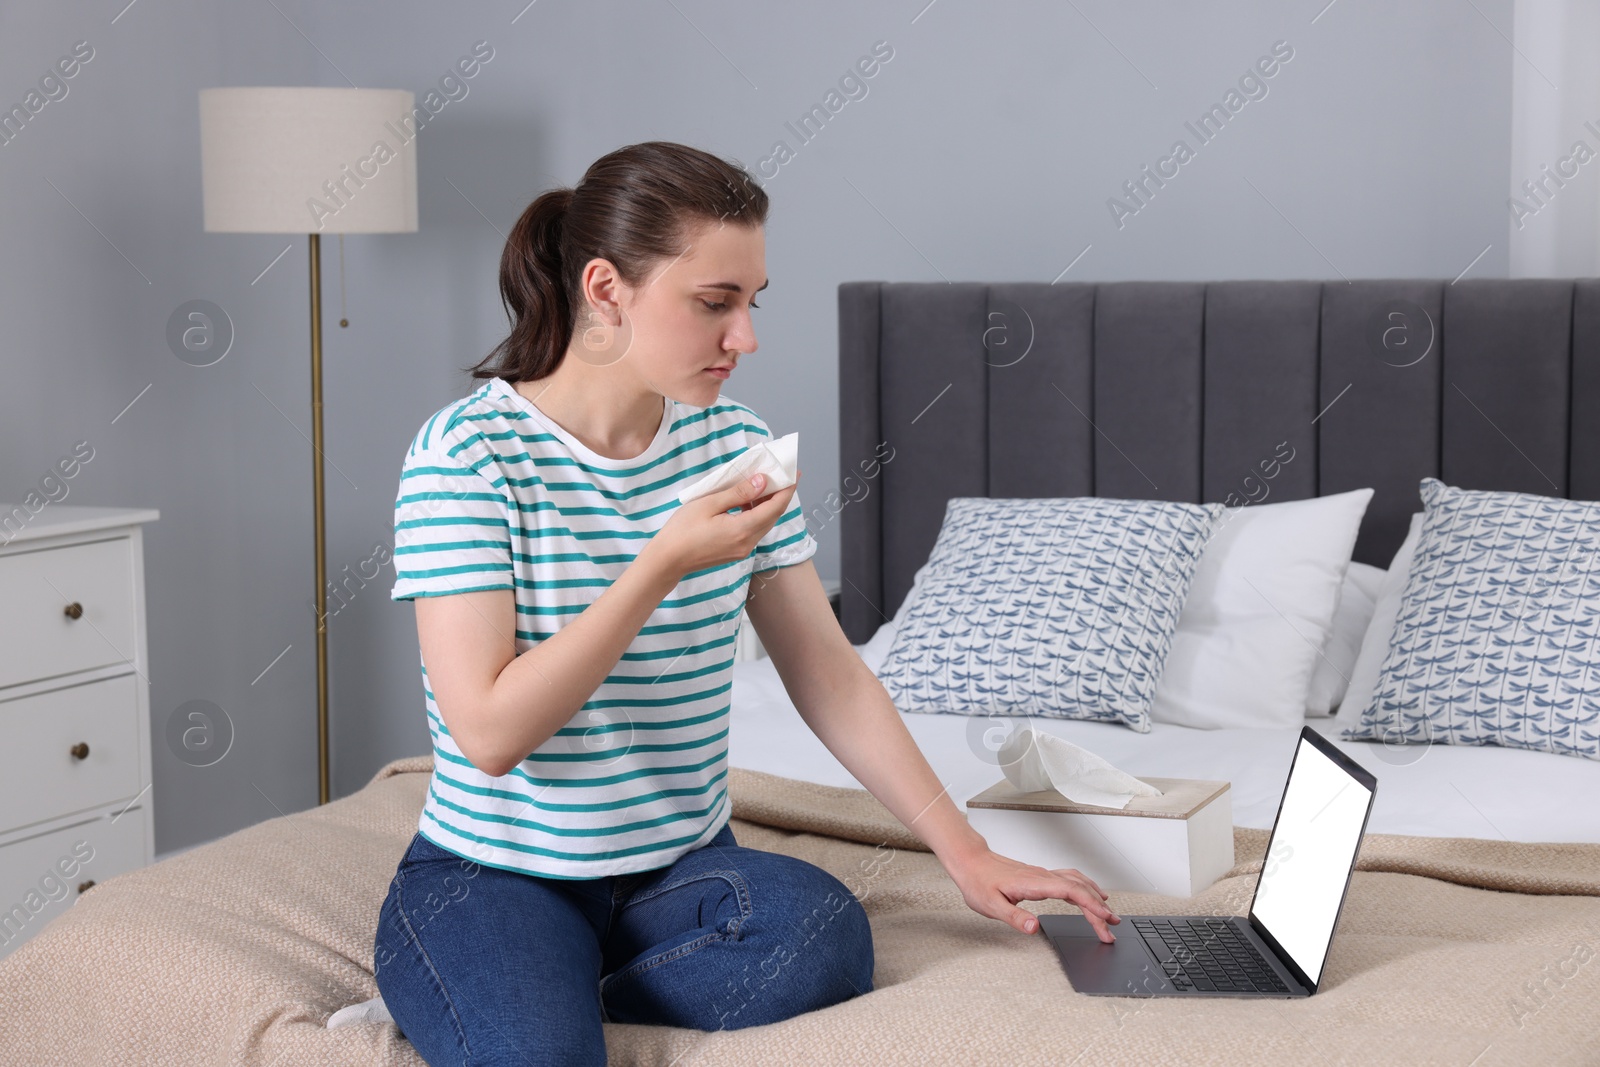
[[1456, 952]]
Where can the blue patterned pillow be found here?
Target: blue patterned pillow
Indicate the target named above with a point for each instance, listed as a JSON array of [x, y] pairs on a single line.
[[1057, 607], [1498, 637]]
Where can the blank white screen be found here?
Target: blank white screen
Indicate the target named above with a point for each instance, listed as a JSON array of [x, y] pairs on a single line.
[[1313, 845]]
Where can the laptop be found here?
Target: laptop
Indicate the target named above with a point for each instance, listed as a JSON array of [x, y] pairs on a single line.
[[1280, 948]]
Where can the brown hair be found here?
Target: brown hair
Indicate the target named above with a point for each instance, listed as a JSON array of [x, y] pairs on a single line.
[[633, 207]]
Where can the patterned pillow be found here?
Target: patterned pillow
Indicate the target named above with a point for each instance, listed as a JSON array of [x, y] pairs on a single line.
[[1498, 637], [1057, 607]]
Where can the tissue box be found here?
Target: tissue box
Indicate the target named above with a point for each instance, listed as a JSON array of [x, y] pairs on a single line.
[[1175, 844]]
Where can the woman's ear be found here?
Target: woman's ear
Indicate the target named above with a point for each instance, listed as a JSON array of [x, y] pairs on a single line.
[[601, 289], [602, 337]]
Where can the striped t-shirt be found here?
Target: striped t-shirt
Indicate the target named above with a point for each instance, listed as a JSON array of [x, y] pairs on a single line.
[[495, 495]]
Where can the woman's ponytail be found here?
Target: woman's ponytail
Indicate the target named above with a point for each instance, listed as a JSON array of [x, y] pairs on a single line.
[[533, 293], [634, 207]]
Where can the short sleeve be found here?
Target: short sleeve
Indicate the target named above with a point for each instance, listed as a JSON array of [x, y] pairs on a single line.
[[788, 542], [452, 527]]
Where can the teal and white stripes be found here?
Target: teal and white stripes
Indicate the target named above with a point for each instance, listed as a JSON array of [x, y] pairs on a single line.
[[494, 495]]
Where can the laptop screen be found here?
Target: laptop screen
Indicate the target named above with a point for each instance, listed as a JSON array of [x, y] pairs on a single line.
[[1309, 857]]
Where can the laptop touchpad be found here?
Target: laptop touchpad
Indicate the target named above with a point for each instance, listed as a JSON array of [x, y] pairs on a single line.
[[1120, 969]]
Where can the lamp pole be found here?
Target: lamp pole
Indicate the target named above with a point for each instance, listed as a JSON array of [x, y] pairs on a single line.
[[318, 519]]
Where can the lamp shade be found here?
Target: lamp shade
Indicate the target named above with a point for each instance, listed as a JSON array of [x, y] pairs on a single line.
[[303, 159]]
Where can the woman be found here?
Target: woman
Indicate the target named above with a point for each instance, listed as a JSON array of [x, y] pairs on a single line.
[[573, 862]]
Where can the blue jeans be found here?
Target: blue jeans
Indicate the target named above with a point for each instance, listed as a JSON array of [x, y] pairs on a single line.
[[480, 965]]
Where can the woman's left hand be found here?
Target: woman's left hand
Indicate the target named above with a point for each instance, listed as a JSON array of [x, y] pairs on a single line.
[[992, 884]]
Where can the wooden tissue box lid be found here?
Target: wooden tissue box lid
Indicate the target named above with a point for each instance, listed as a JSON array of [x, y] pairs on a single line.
[[1179, 799]]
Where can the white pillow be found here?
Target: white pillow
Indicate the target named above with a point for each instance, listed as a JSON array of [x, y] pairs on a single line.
[[1258, 614], [1375, 645], [1357, 598]]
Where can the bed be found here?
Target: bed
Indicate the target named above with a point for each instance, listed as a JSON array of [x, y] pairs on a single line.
[[1472, 920]]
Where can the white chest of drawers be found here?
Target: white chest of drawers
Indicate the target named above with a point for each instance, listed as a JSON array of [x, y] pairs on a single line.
[[74, 708]]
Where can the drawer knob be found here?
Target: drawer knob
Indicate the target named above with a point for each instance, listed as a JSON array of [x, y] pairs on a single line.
[[74, 610], [80, 750], [84, 887]]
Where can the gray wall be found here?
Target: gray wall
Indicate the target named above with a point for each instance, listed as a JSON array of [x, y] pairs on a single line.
[[985, 149]]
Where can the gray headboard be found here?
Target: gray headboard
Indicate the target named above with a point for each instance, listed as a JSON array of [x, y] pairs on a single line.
[[1223, 391]]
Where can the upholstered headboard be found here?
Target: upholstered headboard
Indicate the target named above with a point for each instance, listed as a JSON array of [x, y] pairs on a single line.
[[1223, 391]]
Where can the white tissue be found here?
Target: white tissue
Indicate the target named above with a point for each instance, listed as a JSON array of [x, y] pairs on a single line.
[[1034, 761], [778, 460], [368, 1011]]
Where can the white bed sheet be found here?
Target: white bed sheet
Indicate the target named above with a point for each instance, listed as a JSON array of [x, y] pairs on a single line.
[[1437, 790]]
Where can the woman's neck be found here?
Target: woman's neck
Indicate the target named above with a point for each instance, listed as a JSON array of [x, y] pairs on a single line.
[[593, 405]]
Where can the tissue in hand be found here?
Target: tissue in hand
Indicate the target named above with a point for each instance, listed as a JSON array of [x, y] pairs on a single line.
[[778, 460], [1034, 761]]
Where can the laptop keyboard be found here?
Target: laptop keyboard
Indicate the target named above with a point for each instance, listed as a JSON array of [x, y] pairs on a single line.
[[1210, 955]]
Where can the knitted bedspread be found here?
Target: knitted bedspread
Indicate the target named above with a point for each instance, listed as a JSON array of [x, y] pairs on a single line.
[[1450, 951]]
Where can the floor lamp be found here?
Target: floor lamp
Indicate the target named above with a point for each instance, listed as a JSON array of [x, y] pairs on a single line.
[[312, 161]]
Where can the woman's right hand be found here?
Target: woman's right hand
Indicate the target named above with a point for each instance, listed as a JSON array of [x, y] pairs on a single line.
[[705, 532]]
